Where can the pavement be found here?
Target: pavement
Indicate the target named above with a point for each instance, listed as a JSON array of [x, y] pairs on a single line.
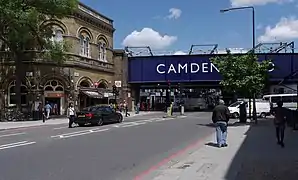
[[252, 154], [121, 151], [55, 121]]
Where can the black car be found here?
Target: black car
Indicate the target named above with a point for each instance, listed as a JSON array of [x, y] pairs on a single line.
[[98, 115]]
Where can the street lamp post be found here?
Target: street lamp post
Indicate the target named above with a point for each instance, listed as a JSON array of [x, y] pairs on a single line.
[[253, 21], [253, 51]]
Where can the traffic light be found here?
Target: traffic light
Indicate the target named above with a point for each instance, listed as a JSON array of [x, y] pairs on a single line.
[[117, 93], [169, 84], [114, 89]]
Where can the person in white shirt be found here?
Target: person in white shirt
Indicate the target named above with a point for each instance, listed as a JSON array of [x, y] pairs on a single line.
[[70, 114]]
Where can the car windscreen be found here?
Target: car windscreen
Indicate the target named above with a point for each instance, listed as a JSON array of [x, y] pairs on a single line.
[[235, 104], [90, 109], [105, 109]]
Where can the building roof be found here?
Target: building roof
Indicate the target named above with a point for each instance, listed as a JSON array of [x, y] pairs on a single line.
[[93, 12]]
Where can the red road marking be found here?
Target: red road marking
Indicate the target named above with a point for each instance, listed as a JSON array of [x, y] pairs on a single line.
[[168, 159]]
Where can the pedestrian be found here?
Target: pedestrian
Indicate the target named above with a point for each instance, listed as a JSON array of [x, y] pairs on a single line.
[[125, 105], [70, 115], [48, 109], [220, 118], [279, 113]]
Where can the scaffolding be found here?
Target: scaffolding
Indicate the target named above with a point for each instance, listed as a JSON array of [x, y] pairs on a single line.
[[203, 49], [281, 47], [138, 51], [197, 49]]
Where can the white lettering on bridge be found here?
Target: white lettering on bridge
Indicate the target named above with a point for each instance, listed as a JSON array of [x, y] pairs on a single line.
[[186, 68]]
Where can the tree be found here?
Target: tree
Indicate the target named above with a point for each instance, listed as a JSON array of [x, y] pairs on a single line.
[[243, 74], [26, 36]]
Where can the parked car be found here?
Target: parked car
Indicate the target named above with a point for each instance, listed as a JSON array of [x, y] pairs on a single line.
[[98, 115]]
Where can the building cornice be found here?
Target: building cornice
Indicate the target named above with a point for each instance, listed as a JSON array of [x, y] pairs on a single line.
[[94, 13], [94, 22]]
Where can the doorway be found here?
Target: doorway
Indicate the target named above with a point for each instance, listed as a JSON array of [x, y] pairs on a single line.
[[55, 104]]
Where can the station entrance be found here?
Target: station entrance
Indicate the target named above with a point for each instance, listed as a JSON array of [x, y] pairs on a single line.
[[194, 79], [193, 97]]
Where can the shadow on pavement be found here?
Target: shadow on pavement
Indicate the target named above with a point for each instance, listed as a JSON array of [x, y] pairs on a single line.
[[260, 158], [212, 144], [233, 122]]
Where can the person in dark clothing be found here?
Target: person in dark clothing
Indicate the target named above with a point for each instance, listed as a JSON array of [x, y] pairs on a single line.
[[220, 118], [280, 123]]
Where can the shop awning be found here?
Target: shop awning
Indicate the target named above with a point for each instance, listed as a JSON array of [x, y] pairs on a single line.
[[93, 94]]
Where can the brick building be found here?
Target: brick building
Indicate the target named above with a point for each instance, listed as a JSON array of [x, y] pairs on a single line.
[[85, 79]]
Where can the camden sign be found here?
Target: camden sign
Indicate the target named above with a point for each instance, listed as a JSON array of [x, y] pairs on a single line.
[[192, 68]]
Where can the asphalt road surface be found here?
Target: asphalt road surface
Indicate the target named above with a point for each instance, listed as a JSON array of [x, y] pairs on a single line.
[[110, 152]]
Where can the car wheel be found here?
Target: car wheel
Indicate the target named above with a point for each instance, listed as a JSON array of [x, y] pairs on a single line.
[[236, 115], [81, 124], [263, 115], [100, 122], [120, 118]]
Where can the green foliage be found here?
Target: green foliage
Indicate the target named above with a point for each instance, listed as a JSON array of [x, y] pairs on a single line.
[[22, 26], [242, 73], [56, 52]]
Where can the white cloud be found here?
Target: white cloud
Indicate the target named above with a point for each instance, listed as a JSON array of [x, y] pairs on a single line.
[[237, 3], [285, 29], [179, 53], [175, 13], [148, 37]]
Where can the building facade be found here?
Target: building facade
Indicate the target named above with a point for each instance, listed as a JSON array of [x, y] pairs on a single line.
[[85, 79]]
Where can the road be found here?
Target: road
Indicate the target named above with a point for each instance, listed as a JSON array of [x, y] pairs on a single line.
[[110, 152]]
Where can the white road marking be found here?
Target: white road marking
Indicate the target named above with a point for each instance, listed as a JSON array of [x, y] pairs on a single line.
[[129, 125], [162, 119], [79, 133], [149, 120], [167, 119], [15, 134], [141, 123], [60, 128], [84, 133], [17, 144], [157, 119], [76, 132]]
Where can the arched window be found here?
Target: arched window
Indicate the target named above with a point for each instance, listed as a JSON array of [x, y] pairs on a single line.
[[102, 49], [100, 57], [102, 84], [84, 45], [53, 85], [12, 96], [84, 83], [57, 35], [87, 46]]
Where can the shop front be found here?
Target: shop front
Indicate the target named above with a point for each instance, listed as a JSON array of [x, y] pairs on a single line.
[[93, 96]]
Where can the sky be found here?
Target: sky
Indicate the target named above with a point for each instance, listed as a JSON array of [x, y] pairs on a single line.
[[176, 25]]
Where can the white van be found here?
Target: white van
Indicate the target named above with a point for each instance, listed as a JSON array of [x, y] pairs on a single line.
[[263, 109], [289, 100]]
